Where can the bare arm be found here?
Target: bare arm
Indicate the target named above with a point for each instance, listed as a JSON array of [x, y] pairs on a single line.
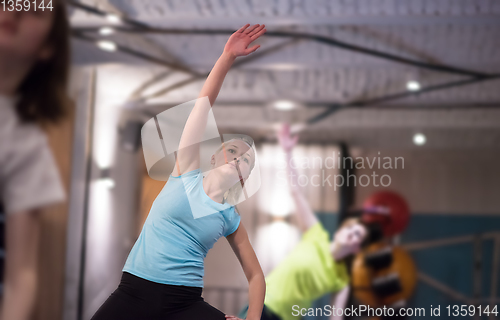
[[305, 214], [339, 300], [22, 235], [237, 45], [256, 283]]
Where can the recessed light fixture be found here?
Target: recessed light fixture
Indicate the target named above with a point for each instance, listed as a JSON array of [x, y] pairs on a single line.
[[284, 105], [106, 31], [108, 182], [419, 139], [106, 179], [413, 86], [106, 45], [113, 18]]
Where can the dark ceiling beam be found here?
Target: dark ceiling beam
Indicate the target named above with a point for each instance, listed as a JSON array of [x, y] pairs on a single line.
[[322, 39], [257, 55], [144, 28], [195, 76], [350, 20], [364, 103], [137, 54], [102, 13]]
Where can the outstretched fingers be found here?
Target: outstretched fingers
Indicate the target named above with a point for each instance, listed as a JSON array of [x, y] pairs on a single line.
[[251, 29], [240, 30], [256, 30], [252, 49], [256, 34]]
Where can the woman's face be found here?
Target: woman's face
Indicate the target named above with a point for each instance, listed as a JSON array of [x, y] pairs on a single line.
[[349, 239], [23, 34], [244, 155]]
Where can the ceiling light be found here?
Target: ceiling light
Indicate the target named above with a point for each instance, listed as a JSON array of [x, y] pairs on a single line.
[[108, 182], [113, 18], [284, 105], [413, 86], [106, 31], [106, 45], [419, 139], [106, 179]]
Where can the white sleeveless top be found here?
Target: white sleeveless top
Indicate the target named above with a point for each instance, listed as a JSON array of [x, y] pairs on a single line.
[[29, 177]]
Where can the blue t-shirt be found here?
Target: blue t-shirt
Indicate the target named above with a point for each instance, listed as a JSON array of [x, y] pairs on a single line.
[[173, 243]]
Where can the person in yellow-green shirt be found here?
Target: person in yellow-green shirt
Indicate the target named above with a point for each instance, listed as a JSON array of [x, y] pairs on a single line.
[[314, 267]]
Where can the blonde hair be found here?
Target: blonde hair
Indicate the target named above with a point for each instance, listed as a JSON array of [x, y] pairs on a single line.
[[349, 222], [232, 195]]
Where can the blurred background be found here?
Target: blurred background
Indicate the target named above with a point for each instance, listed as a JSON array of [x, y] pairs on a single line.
[[415, 79]]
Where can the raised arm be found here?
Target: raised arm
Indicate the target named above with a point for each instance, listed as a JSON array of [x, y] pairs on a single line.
[[305, 216], [188, 155], [339, 300], [256, 283], [22, 235]]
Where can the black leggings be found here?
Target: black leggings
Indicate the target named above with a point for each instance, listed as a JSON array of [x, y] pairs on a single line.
[[140, 299]]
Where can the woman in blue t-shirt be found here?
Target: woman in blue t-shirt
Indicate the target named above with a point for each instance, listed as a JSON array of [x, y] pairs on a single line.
[[163, 275]]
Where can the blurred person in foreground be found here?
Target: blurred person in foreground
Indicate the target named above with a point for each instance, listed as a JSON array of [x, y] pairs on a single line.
[[316, 266], [34, 62]]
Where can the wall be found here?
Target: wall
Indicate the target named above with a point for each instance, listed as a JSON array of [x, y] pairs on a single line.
[[451, 194]]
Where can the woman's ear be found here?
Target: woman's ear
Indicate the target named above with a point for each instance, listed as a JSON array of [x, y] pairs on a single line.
[[212, 160]]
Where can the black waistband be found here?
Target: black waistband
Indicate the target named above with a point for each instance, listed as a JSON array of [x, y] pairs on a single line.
[[154, 288]]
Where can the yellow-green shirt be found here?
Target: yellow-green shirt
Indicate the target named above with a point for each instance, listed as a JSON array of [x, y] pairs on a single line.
[[306, 274]]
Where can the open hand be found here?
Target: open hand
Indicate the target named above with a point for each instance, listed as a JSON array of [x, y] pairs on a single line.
[[238, 43], [285, 139]]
